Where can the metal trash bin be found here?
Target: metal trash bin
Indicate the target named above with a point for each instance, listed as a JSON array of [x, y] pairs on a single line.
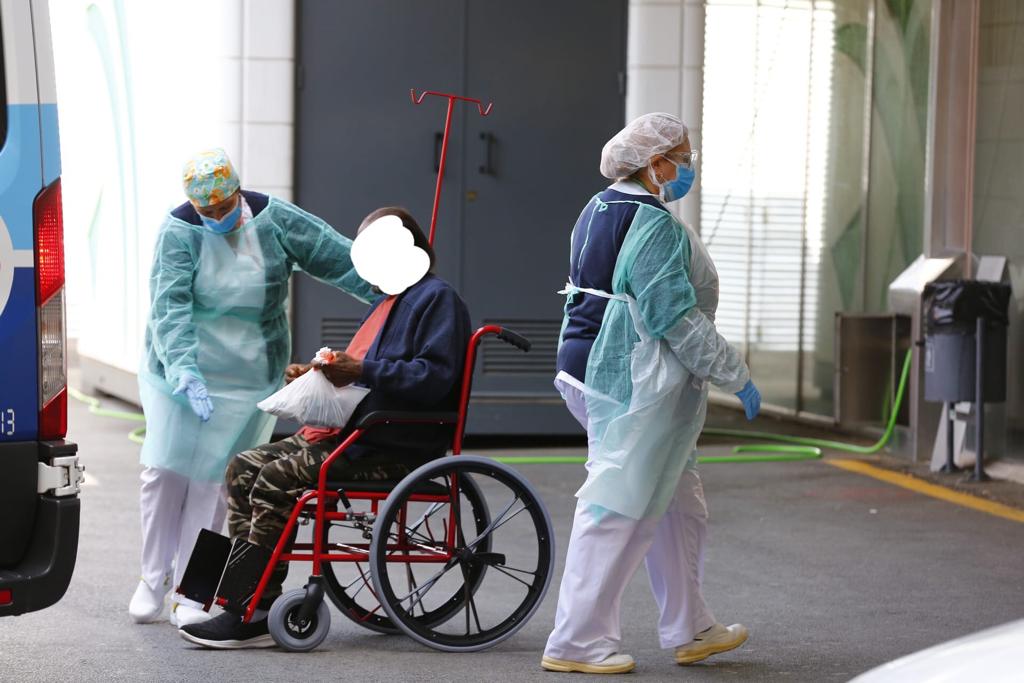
[[965, 353], [952, 309]]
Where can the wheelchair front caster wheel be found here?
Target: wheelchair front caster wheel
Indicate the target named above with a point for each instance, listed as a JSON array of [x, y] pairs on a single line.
[[292, 633]]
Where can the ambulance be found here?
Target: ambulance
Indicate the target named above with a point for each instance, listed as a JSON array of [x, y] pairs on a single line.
[[40, 474]]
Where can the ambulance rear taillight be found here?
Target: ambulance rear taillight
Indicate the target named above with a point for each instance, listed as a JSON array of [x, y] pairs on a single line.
[[49, 236]]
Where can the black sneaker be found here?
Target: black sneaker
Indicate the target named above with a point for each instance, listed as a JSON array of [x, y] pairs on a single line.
[[227, 632]]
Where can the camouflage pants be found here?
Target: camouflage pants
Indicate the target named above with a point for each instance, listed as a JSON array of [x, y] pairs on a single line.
[[264, 483]]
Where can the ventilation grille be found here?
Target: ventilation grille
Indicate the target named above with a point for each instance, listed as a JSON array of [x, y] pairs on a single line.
[[336, 333], [499, 358]]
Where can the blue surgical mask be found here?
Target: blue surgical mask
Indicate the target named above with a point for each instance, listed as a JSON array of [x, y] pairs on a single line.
[[677, 189], [225, 224], [674, 190]]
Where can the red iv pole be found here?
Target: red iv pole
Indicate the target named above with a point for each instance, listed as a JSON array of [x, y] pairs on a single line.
[[484, 111]]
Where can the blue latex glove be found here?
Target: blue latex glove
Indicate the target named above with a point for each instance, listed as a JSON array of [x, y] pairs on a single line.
[[751, 398], [198, 397]]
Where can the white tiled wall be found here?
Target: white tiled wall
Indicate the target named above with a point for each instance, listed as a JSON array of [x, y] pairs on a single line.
[[270, 29], [268, 92], [234, 88], [665, 57]]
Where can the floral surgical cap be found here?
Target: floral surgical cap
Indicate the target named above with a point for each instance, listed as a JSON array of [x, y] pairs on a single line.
[[209, 178]]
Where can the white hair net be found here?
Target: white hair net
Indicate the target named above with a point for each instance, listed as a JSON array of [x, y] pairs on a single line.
[[642, 138]]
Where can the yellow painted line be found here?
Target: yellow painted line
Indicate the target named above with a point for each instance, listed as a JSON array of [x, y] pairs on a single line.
[[928, 489]]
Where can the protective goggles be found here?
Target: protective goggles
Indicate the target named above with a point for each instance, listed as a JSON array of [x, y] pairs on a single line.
[[689, 160]]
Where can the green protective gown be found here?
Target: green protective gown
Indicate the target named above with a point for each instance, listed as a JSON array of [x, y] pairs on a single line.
[[648, 370], [218, 313]]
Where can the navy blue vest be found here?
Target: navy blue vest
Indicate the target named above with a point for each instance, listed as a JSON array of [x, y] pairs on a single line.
[[596, 241]]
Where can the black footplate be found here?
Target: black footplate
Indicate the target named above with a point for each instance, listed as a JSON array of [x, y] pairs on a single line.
[[205, 567], [242, 575], [223, 571]]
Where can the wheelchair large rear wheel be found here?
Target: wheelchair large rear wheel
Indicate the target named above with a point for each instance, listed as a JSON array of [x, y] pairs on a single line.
[[515, 547], [349, 585]]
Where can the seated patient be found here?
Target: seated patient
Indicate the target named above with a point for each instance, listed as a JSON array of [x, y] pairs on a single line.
[[409, 351]]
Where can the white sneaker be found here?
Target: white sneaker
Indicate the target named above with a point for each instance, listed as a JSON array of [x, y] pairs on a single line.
[[711, 641], [614, 664], [184, 615], [147, 603]]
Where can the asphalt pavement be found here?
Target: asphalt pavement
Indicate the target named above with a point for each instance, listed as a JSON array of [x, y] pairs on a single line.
[[833, 572]]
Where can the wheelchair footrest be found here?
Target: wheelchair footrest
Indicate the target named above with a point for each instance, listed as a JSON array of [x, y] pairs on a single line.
[[242, 575], [223, 570], [205, 567]]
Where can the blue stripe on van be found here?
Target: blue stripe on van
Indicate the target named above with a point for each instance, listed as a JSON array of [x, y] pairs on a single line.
[[51, 143], [21, 179], [20, 172], [19, 373]]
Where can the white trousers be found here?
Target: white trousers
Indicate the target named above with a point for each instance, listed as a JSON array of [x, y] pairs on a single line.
[[174, 509], [605, 550]]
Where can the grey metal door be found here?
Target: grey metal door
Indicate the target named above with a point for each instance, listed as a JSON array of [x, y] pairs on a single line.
[[516, 180], [360, 143], [555, 71]]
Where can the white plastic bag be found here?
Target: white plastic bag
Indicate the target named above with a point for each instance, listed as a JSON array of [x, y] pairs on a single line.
[[312, 399]]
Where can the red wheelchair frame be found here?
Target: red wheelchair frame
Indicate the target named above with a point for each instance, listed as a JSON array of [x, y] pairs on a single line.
[[314, 502], [477, 554]]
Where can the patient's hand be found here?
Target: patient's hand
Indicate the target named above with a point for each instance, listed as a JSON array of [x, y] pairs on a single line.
[[294, 371], [343, 370]]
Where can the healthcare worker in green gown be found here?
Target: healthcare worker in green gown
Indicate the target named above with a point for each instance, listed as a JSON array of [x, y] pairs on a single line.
[[638, 349], [217, 342]]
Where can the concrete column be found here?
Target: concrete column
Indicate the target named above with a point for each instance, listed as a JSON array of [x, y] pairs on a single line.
[[692, 94], [268, 96], [665, 57], [953, 87]]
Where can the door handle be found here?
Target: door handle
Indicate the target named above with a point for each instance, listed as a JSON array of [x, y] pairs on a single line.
[[438, 138], [489, 141]]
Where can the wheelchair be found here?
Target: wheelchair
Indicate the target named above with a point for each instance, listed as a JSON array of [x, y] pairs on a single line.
[[457, 555]]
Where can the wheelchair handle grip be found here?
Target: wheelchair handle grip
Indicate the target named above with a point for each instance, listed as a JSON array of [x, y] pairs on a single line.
[[515, 339]]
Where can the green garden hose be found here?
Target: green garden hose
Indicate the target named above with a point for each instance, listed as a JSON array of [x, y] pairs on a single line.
[[95, 409], [136, 435], [766, 453], [785, 448], [825, 443], [789, 454]]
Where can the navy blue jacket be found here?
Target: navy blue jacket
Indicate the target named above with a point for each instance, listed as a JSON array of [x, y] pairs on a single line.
[[602, 233], [415, 363]]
